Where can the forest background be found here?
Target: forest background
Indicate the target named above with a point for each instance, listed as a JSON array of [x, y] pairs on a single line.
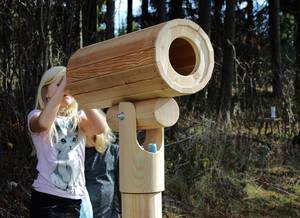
[[226, 156]]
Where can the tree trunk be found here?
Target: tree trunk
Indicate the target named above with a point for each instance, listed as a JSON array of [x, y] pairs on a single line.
[[89, 22], [129, 16], [44, 26], [162, 13], [144, 17], [274, 22], [250, 87], [204, 13], [110, 15], [70, 23], [217, 39], [297, 79], [176, 9], [80, 29], [228, 62]]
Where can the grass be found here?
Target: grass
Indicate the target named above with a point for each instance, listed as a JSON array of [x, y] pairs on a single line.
[[271, 192], [275, 193], [232, 172]]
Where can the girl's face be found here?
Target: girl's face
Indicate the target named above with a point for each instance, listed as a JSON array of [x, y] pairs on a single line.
[[66, 100]]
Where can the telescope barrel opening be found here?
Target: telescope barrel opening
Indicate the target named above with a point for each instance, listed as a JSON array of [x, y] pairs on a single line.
[[182, 56], [170, 59]]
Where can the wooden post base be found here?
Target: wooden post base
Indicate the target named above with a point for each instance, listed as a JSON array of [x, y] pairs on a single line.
[[141, 172], [141, 205]]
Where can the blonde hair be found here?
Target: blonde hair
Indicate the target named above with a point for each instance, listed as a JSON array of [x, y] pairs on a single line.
[[47, 78], [101, 141], [71, 111]]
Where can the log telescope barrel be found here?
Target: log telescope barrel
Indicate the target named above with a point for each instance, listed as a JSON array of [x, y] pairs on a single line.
[[170, 59]]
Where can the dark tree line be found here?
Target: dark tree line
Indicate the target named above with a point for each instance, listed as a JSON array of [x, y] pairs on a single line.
[[257, 51]]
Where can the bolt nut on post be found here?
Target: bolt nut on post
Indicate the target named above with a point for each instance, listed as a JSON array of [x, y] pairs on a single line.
[[121, 116]]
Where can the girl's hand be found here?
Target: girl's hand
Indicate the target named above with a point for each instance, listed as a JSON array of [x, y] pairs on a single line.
[[58, 85], [93, 122], [63, 82], [55, 93], [61, 85]]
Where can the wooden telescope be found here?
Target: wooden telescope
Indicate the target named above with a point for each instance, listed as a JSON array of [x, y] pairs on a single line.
[[136, 76]]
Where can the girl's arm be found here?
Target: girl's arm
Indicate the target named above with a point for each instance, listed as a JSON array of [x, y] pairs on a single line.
[[46, 118], [93, 122]]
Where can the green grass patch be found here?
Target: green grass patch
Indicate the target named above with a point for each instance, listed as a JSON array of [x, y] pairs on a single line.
[[272, 201]]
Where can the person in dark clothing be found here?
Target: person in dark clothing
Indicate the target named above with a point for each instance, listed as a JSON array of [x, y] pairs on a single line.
[[102, 175]]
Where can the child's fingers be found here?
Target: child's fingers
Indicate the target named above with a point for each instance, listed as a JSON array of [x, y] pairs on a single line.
[[63, 81]]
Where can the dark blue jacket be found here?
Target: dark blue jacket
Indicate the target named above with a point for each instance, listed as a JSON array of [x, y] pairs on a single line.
[[102, 176]]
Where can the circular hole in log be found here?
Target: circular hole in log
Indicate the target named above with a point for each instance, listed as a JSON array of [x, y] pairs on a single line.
[[182, 56]]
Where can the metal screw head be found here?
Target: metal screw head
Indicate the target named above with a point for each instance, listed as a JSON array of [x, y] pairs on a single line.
[[121, 115]]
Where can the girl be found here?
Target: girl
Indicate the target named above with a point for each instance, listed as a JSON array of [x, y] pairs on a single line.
[[58, 132], [101, 173]]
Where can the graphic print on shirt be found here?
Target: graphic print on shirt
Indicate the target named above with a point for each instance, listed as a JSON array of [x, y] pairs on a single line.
[[68, 159]]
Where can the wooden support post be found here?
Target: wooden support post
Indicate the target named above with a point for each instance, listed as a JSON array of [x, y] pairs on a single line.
[[142, 205], [141, 172]]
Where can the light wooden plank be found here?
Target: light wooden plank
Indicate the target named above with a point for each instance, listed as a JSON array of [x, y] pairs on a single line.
[[119, 93], [150, 114], [114, 65], [112, 80], [116, 47]]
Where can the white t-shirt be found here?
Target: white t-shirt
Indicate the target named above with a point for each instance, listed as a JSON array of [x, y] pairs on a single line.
[[60, 161]]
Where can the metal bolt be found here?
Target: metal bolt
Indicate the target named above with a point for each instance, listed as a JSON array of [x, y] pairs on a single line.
[[121, 115]]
